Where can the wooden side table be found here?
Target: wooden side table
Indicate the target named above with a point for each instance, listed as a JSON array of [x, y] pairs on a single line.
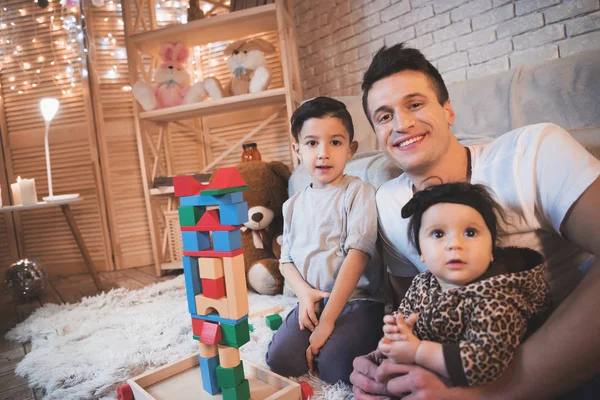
[[64, 205]]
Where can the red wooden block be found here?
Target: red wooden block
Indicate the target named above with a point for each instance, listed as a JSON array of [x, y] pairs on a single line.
[[212, 253], [214, 288], [307, 390], [197, 326], [225, 178], [211, 333], [210, 221], [124, 392], [186, 185]]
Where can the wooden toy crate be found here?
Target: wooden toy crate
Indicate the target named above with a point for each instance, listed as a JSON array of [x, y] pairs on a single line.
[[174, 236], [182, 380]]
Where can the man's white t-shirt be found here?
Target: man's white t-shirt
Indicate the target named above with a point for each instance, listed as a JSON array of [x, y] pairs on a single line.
[[536, 173]]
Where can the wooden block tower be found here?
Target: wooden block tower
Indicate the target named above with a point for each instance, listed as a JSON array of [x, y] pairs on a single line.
[[210, 216]]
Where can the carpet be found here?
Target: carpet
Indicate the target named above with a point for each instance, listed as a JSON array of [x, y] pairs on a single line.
[[86, 350]]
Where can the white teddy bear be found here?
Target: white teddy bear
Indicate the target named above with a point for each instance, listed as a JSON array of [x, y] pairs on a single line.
[[247, 63]]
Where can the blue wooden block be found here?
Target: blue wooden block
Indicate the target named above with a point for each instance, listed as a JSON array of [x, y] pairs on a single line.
[[216, 318], [195, 240], [227, 240], [234, 214], [208, 369], [193, 284], [229, 198]]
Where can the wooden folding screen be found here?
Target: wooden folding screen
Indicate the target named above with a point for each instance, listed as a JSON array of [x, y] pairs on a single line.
[[44, 234]]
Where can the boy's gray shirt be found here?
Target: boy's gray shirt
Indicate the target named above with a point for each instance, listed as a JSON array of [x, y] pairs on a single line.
[[322, 225]]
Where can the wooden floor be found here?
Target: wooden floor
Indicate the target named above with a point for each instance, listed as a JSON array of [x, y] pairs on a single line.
[[64, 290]]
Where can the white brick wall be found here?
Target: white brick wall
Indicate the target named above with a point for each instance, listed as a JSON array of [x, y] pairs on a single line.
[[464, 39]]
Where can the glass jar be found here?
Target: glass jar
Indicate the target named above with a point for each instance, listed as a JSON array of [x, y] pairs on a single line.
[[250, 152]]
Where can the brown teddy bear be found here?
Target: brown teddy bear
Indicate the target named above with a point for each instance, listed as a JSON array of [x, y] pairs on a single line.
[[267, 191]]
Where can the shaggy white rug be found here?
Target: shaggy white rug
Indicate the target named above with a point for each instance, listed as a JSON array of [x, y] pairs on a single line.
[[87, 350]]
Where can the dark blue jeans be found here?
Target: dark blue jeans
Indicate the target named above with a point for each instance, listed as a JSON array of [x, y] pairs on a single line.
[[357, 331]]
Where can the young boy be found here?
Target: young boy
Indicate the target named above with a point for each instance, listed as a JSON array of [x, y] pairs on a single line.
[[330, 230]]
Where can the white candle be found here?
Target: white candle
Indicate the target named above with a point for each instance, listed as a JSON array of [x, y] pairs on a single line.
[[16, 192], [28, 192]]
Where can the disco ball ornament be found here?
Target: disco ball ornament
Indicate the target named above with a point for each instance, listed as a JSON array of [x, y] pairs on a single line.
[[25, 279]]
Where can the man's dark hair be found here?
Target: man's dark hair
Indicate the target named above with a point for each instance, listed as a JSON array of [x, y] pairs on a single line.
[[398, 58], [476, 196], [320, 107]]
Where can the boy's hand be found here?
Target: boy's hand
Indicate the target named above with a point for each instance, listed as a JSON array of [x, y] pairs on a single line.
[[307, 317], [400, 347], [317, 341]]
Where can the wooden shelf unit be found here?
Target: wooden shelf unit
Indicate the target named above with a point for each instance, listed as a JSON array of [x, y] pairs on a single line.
[[219, 127]]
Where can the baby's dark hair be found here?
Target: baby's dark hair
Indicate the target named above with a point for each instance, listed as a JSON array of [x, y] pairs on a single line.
[[475, 196], [320, 107], [397, 58]]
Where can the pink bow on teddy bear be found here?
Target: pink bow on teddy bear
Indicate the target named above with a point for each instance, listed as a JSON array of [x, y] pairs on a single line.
[[171, 85]]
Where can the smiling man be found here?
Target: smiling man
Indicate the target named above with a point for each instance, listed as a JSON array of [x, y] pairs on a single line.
[[547, 184]]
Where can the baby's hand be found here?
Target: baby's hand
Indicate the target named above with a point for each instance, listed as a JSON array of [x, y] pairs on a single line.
[[399, 342], [307, 316]]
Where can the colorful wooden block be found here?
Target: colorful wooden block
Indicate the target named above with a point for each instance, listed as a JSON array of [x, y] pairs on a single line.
[[209, 350], [225, 178], [227, 240], [206, 305], [190, 215], [210, 267], [241, 392], [212, 253], [307, 390], [216, 192], [193, 284], [229, 357], [230, 377], [208, 369], [234, 214], [186, 185], [235, 285], [216, 318], [211, 333], [197, 326], [214, 288], [274, 321], [195, 241], [235, 335], [211, 221], [229, 198]]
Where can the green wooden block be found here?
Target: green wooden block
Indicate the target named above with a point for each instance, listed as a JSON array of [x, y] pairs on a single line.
[[235, 335], [251, 327], [274, 321], [230, 377], [196, 337], [241, 392], [216, 192], [190, 215]]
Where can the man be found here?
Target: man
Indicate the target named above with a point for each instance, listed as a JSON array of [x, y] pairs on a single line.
[[547, 183]]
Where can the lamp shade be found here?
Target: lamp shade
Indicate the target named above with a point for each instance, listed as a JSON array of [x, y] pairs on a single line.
[[49, 107]]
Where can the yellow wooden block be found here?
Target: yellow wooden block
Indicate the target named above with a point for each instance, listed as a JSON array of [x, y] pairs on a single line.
[[208, 350], [210, 268], [235, 286], [206, 306], [229, 357]]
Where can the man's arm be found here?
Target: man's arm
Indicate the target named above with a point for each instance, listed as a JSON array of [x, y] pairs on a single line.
[[565, 352]]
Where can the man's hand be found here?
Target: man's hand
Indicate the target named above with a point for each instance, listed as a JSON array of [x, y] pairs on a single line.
[[400, 343], [364, 385], [416, 382], [307, 317], [317, 340]]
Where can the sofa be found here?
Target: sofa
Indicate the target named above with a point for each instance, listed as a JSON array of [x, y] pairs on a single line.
[[565, 91]]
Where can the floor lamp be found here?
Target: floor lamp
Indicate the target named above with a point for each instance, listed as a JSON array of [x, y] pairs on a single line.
[[49, 107]]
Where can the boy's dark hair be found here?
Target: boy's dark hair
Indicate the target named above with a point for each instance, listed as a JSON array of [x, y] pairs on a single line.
[[477, 197], [398, 58], [320, 107]]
